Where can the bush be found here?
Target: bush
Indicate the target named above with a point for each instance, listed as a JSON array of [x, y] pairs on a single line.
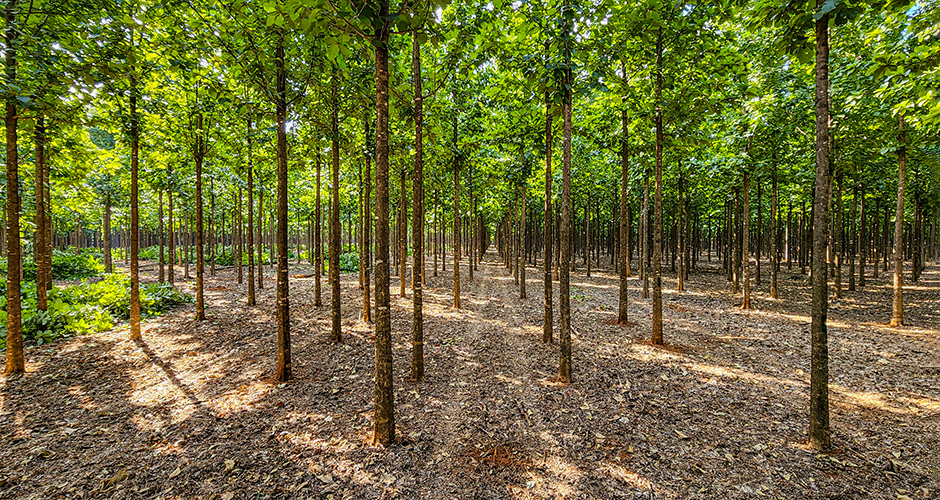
[[66, 265], [88, 308], [349, 262]]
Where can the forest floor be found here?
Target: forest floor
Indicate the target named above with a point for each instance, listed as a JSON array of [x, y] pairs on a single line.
[[192, 411]]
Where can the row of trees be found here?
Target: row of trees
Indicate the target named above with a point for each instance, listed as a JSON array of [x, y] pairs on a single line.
[[699, 113]]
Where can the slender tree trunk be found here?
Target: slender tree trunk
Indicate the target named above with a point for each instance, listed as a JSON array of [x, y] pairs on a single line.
[[745, 241], [456, 221], [522, 216], [367, 230], [239, 223], [622, 316], [819, 370], [135, 217], [897, 313], [260, 233], [548, 318], [162, 257], [862, 242], [282, 309], [40, 244], [417, 229], [564, 285], [212, 229], [170, 233], [200, 234], [318, 234], [15, 359], [108, 264], [760, 241], [250, 230], [658, 202], [336, 332], [680, 233], [774, 251], [384, 416], [402, 234], [837, 248]]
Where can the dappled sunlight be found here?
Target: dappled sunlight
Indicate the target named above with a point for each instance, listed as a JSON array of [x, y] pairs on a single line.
[[897, 404]]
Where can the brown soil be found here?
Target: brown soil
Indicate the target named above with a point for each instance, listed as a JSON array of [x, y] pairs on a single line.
[[192, 412]]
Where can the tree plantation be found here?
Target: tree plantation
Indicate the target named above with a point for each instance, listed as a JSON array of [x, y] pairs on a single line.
[[457, 249]]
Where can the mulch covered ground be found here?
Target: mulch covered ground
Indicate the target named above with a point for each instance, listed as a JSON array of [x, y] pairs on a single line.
[[192, 410]]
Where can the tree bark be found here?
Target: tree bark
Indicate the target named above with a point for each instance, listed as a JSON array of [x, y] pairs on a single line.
[[417, 229], [548, 318], [658, 202], [774, 251], [367, 230], [622, 314], [15, 360], [384, 416], [897, 312], [198, 156], [564, 285], [251, 224], [282, 305], [108, 264], [745, 243], [135, 217], [336, 331], [170, 230], [42, 272], [456, 220], [819, 370]]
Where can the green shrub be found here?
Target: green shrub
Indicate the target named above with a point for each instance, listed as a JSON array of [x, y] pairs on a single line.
[[66, 265], [88, 308], [349, 262]]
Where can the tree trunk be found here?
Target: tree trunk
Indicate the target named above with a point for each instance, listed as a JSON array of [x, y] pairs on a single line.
[[456, 220], [644, 238], [774, 251], [170, 233], [135, 217], [367, 230], [318, 243], [658, 202], [745, 242], [162, 243], [42, 272], [624, 267], [199, 155], [837, 247], [522, 215], [250, 230], [282, 308], [548, 318], [680, 230], [863, 235], [108, 264], [238, 223], [564, 285], [15, 360], [336, 331], [897, 313], [260, 233], [819, 370], [384, 416], [417, 226]]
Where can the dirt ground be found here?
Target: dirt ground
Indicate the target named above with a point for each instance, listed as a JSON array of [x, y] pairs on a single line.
[[192, 411]]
